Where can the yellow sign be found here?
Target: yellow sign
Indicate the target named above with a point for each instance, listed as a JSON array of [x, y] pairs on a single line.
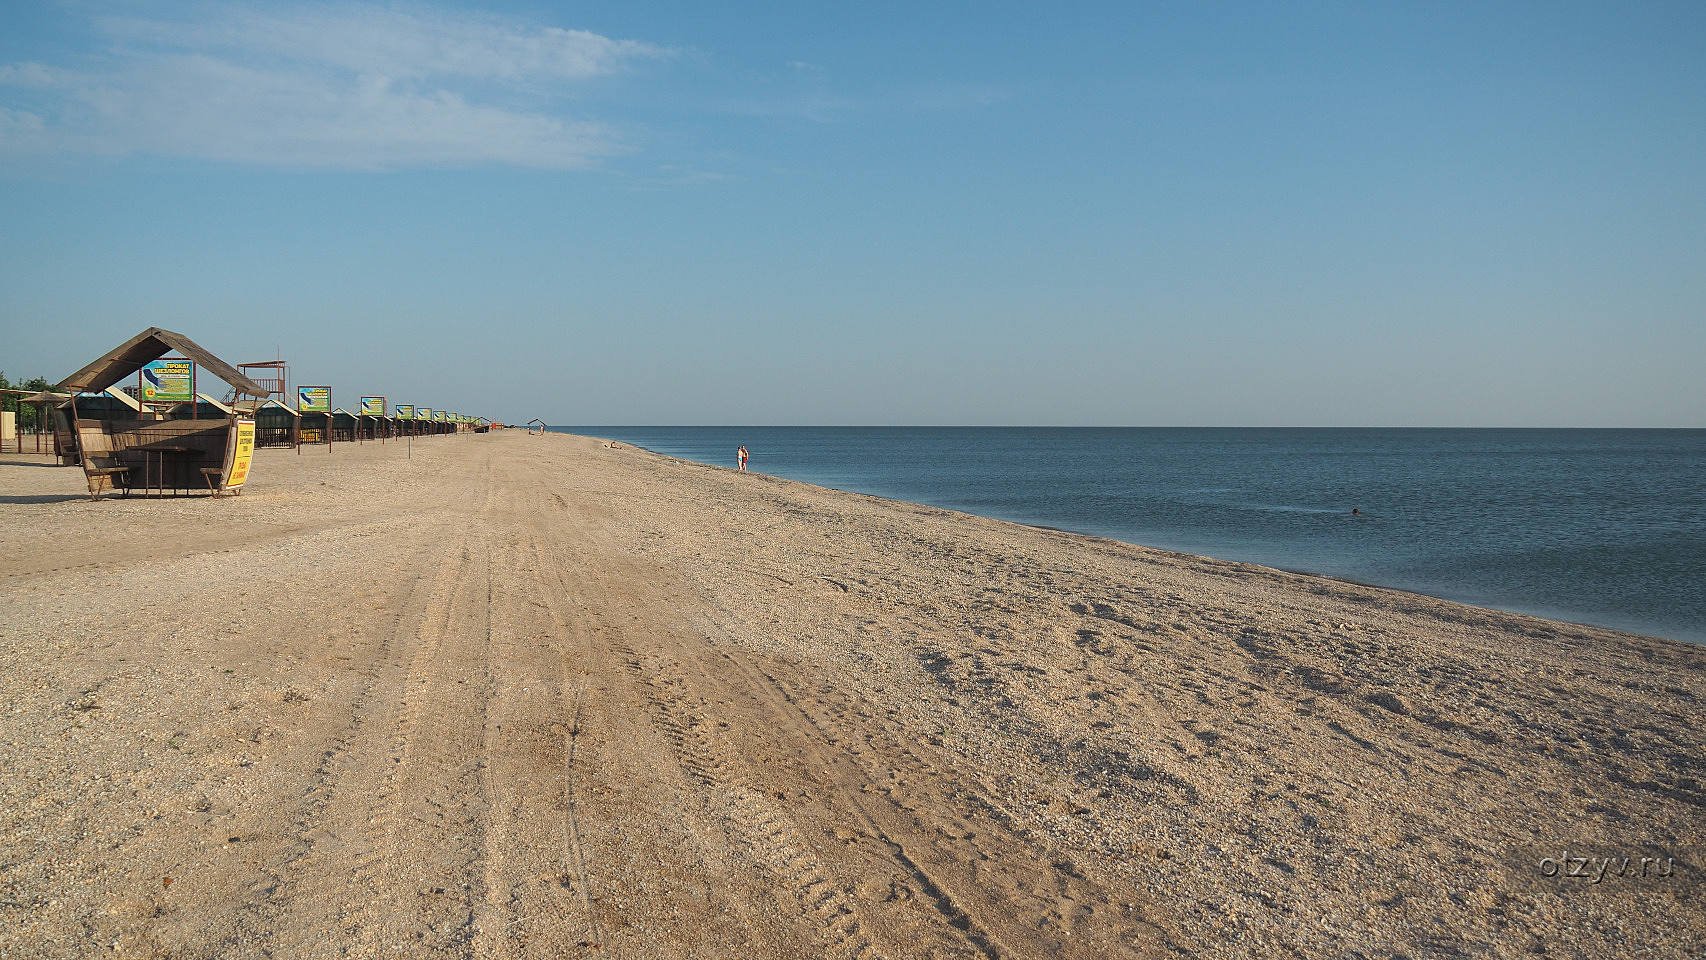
[[240, 456]]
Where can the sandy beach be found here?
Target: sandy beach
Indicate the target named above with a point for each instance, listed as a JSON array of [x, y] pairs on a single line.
[[533, 696]]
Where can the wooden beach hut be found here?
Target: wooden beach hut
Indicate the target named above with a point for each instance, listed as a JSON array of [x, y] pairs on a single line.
[[371, 426], [204, 408], [148, 453], [32, 413], [109, 404], [276, 425], [316, 426], [344, 425]]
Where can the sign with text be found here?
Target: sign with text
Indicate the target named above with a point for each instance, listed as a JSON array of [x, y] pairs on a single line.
[[314, 399], [168, 381], [405, 411], [242, 452], [423, 413], [373, 406]]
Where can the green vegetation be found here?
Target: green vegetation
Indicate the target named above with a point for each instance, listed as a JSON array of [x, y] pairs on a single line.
[[27, 412]]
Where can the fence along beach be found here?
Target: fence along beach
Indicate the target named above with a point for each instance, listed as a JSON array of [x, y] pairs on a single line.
[[539, 696]]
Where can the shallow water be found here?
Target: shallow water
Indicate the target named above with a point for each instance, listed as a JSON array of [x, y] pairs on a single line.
[[1597, 526]]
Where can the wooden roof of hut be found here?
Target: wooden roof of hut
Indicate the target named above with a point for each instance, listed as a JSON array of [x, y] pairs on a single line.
[[39, 396], [151, 344], [110, 393], [278, 404]]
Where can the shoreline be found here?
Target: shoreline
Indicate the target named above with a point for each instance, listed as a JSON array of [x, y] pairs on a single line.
[[547, 698], [1531, 613]]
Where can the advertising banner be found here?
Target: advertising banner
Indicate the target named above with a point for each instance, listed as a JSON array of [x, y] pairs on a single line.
[[405, 411], [423, 413], [241, 454], [314, 399], [373, 406], [167, 381]]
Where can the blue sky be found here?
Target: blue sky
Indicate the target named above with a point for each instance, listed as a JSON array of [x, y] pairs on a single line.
[[1428, 214]]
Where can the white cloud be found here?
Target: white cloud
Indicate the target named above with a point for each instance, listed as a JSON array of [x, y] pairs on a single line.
[[29, 75], [393, 42], [19, 123], [355, 87]]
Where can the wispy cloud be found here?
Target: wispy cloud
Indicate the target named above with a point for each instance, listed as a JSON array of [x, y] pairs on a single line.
[[334, 86]]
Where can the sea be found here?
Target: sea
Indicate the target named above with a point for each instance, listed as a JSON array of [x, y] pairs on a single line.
[[1604, 527]]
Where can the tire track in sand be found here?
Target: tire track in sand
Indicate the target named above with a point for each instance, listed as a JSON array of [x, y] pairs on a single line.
[[991, 891], [751, 814], [532, 908], [709, 757], [395, 861], [274, 924], [612, 782], [712, 775]]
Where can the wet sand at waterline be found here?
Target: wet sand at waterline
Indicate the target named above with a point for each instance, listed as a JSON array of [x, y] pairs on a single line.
[[537, 697]]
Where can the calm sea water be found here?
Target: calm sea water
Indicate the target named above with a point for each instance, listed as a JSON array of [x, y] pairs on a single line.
[[1596, 526]]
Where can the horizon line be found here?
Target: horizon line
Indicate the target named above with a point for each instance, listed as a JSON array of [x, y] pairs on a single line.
[[1070, 426]]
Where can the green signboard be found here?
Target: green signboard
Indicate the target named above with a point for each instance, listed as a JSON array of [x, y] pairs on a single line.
[[405, 411], [314, 399], [167, 381], [423, 413], [373, 406], [442, 416]]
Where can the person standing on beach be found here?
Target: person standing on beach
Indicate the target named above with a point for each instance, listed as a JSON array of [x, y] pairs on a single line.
[[740, 457]]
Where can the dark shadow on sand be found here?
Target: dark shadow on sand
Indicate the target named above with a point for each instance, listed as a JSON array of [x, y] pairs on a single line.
[[46, 498]]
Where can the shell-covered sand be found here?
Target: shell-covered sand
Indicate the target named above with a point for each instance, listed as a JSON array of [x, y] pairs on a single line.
[[535, 696]]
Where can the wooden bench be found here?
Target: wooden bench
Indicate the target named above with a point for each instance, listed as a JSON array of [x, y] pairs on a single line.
[[100, 465], [214, 477]]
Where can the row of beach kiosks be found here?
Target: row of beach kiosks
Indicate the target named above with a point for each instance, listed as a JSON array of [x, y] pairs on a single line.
[[164, 434], [280, 425]]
